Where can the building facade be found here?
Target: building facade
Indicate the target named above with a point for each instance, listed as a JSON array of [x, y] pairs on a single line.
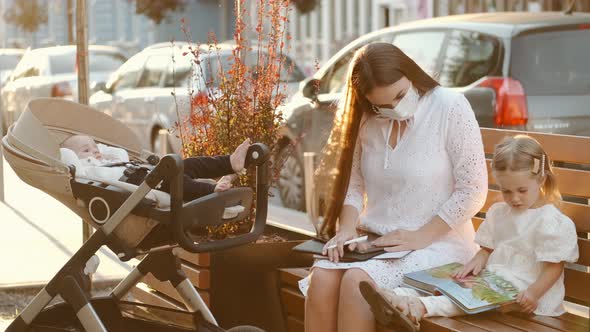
[[114, 22]]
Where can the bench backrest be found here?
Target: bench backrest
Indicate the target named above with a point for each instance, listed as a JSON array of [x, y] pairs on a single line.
[[572, 154]]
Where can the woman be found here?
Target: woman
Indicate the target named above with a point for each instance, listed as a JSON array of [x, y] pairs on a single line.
[[404, 160]]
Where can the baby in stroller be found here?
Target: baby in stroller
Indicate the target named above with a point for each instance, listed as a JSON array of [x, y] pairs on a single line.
[[111, 164]]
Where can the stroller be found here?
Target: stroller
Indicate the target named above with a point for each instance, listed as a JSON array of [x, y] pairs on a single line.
[[133, 221]]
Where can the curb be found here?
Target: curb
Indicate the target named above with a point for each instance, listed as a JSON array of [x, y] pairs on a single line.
[[30, 286]]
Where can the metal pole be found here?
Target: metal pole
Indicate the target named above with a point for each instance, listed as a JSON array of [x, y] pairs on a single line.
[[311, 198], [163, 133], [82, 60]]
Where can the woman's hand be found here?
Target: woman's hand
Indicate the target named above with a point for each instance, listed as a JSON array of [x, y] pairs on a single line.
[[342, 236], [402, 240], [528, 301], [475, 265]]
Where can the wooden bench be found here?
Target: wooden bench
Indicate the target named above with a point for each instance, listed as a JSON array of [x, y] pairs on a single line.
[[574, 185]]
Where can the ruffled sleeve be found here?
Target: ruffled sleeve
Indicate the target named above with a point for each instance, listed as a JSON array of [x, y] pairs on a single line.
[[485, 233], [556, 239], [356, 186], [465, 148]]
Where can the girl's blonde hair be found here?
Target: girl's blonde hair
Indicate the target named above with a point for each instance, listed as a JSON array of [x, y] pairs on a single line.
[[522, 153]]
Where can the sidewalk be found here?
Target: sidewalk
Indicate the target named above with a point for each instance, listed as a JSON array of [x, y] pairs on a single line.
[[38, 235]]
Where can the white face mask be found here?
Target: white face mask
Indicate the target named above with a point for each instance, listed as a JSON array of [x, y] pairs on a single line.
[[404, 110]]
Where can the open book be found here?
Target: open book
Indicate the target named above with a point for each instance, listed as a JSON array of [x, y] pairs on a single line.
[[473, 294]]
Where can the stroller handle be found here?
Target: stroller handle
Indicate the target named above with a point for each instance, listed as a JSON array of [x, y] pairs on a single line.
[[258, 155]]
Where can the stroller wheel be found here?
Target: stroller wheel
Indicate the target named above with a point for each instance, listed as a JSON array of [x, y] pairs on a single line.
[[245, 328]]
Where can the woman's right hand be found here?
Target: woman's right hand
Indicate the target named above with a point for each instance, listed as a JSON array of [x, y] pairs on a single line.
[[342, 236]]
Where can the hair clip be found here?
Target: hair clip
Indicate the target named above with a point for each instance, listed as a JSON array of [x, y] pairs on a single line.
[[539, 165]]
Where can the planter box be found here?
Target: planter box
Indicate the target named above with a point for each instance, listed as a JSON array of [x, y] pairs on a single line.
[[240, 285]]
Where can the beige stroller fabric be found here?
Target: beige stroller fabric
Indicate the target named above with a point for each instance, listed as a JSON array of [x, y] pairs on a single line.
[[31, 147]]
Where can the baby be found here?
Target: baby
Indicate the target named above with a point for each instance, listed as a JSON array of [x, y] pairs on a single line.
[[96, 164]]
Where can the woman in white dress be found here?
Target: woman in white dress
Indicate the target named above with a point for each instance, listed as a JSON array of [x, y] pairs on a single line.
[[404, 160]]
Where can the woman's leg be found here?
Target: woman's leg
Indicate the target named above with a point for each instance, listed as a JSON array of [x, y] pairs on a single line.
[[354, 313], [321, 303]]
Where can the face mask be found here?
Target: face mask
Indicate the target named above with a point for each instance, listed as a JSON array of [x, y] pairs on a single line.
[[404, 110]]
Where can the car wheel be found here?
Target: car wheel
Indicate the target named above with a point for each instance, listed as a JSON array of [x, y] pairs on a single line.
[[291, 180]]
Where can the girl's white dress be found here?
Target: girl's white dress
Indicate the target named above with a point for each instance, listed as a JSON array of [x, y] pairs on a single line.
[[522, 241], [437, 168]]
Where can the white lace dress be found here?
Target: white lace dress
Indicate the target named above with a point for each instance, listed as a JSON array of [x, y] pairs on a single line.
[[522, 241], [437, 168]]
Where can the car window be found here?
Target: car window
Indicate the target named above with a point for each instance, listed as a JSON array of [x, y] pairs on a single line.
[[62, 63], [469, 56], [104, 61], [552, 62], [155, 68], [290, 72], [178, 74], [9, 61], [26, 67], [216, 66], [335, 79], [127, 75], [423, 47]]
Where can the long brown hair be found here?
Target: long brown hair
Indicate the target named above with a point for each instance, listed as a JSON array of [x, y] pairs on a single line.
[[374, 65], [524, 153]]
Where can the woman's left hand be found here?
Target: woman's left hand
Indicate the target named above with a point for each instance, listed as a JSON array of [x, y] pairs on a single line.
[[402, 240]]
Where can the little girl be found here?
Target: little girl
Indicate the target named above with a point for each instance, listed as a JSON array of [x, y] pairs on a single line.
[[525, 239]]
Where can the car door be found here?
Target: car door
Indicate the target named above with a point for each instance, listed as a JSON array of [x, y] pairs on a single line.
[[140, 103], [120, 88]]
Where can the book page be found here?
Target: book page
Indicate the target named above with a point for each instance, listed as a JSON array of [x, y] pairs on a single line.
[[471, 292]]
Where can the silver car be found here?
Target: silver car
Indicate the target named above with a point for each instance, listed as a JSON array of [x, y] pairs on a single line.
[[526, 71], [52, 72], [151, 89]]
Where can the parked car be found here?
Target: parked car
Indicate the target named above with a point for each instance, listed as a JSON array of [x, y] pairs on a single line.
[[145, 91], [52, 72], [527, 71], [9, 57]]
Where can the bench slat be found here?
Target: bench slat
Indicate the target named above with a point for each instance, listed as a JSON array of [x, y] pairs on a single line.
[[576, 286], [294, 325], [483, 321], [573, 149], [201, 279], [579, 213], [202, 260], [522, 323], [142, 293], [438, 324], [292, 276], [293, 302], [167, 289], [566, 322], [571, 182], [584, 246]]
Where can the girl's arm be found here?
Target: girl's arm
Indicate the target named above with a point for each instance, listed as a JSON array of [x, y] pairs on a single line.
[[550, 273], [476, 264]]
